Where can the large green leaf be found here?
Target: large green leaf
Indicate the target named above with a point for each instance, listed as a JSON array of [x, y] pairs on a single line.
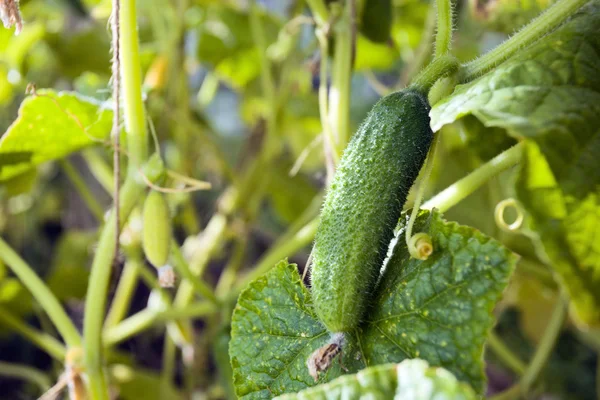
[[438, 310], [550, 94], [409, 380], [50, 126]]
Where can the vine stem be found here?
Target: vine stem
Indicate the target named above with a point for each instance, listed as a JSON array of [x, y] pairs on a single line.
[[502, 351], [116, 98], [42, 340], [131, 190], [142, 320], [41, 293], [131, 78], [25, 372], [341, 74], [438, 68], [546, 22], [546, 345], [456, 192], [443, 38]]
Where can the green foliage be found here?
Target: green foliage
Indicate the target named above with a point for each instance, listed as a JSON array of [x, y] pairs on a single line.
[[363, 204], [240, 94], [51, 126], [550, 94], [409, 380], [438, 310]]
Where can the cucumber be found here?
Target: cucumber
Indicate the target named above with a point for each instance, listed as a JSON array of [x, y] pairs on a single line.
[[363, 205], [157, 229], [376, 20]]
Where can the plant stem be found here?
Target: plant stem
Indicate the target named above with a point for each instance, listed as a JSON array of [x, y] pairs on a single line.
[[41, 293], [183, 268], [209, 241], [341, 74], [511, 393], [546, 344], [443, 38], [86, 195], [124, 292], [168, 366], [456, 192], [438, 68], [423, 52], [144, 319], [545, 23], [131, 77], [507, 357], [319, 11], [25, 372], [131, 191], [42, 340], [330, 150]]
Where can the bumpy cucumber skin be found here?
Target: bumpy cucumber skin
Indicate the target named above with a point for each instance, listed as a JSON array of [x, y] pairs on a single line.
[[363, 205]]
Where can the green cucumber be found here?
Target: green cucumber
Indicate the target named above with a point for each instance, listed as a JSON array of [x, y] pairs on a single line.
[[363, 205], [157, 229]]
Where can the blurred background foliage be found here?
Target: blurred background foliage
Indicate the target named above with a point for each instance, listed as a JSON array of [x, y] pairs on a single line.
[[203, 96]]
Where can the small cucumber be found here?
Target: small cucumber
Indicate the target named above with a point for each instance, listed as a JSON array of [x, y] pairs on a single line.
[[157, 230], [363, 205]]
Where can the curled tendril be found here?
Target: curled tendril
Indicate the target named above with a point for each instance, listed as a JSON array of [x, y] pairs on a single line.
[[420, 246], [499, 215]]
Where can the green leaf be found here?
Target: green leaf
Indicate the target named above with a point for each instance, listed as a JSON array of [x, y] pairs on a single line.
[[409, 380], [550, 94], [50, 126], [439, 310], [274, 330]]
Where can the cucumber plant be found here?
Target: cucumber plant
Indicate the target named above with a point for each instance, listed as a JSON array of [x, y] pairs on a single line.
[[445, 245]]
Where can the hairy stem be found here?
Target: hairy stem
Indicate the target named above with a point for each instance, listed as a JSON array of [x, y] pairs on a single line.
[[545, 23], [443, 38], [456, 192], [438, 68]]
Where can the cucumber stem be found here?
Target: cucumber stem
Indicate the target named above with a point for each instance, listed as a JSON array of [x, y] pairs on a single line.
[[438, 68]]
